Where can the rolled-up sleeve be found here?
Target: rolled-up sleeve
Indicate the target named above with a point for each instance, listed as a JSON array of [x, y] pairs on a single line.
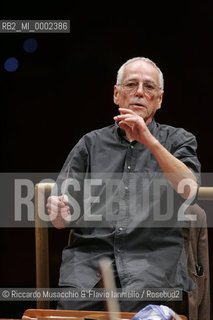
[[184, 148]]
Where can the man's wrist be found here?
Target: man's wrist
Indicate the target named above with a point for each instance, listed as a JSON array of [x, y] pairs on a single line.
[[153, 145]]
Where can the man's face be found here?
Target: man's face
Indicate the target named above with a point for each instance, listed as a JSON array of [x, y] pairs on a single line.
[[139, 90]]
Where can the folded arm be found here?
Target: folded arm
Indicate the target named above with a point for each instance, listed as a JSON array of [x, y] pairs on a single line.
[[178, 174]]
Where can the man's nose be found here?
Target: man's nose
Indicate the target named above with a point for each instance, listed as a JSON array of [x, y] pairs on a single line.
[[140, 89]]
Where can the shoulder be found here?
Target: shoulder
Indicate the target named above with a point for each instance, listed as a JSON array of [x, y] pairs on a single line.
[[99, 133], [175, 134], [173, 130]]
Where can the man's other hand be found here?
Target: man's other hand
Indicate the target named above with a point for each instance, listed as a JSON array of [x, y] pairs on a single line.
[[59, 211]]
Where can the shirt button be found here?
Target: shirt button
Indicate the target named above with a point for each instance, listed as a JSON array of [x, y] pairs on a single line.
[[132, 147], [120, 229], [118, 250], [129, 167], [126, 188]]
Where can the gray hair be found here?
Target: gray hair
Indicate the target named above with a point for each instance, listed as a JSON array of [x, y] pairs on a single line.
[[121, 70]]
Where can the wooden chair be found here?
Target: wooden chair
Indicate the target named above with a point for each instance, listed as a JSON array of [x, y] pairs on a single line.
[[43, 314], [42, 191]]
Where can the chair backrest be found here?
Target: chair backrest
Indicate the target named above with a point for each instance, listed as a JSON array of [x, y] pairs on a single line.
[[42, 191]]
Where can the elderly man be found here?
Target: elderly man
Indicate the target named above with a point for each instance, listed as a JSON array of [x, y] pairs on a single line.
[[145, 252]]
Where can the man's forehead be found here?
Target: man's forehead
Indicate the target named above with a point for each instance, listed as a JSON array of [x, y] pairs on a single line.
[[140, 68]]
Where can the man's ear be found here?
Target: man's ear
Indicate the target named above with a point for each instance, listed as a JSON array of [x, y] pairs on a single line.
[[160, 99], [116, 95]]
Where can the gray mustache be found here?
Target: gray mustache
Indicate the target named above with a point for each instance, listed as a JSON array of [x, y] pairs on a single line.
[[137, 102]]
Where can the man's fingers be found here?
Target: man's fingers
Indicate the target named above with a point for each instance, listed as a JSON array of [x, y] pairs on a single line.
[[60, 219], [52, 206], [59, 215], [124, 110], [65, 199], [57, 201], [122, 117], [66, 216], [57, 210], [131, 118], [124, 125], [127, 118]]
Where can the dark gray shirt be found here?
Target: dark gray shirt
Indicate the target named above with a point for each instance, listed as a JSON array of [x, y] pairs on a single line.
[[147, 251]]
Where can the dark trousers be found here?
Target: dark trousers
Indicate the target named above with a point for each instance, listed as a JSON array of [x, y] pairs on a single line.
[[180, 307]]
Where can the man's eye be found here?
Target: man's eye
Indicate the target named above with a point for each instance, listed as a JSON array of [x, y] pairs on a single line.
[[131, 85], [148, 86]]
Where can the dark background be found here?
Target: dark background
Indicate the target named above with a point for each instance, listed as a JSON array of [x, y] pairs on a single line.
[[65, 89]]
